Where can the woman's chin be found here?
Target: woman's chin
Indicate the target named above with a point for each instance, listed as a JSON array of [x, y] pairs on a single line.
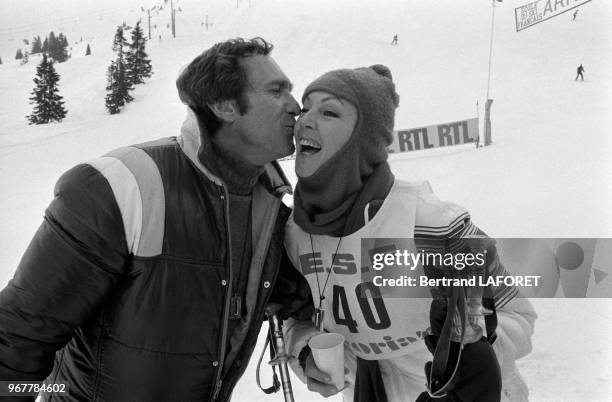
[[299, 172], [303, 168]]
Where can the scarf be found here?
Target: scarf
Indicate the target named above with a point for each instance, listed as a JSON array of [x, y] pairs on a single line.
[[332, 200]]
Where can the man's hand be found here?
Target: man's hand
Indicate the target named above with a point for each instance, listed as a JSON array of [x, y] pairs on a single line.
[[295, 299], [318, 381], [292, 292]]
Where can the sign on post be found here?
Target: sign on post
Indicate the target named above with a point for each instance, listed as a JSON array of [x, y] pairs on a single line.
[[541, 10]]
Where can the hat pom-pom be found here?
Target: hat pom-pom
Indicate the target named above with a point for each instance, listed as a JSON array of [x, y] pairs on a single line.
[[382, 70]]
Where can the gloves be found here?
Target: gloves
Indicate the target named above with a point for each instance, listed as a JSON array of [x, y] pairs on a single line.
[[291, 290], [478, 378]]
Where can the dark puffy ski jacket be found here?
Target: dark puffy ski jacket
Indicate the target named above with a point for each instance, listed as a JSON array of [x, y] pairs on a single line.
[[124, 292]]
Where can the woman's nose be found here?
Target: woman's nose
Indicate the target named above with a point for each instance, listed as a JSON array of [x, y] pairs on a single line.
[[305, 121]]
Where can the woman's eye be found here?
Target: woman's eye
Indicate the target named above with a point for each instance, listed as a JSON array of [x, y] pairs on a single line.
[[303, 111], [330, 113]]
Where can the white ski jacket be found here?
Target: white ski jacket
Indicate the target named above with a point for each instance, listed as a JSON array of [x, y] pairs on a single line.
[[390, 329]]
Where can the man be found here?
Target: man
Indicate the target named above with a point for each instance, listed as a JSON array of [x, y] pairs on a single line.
[[150, 273], [579, 72]]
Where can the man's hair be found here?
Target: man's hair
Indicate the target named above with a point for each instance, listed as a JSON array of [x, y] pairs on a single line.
[[216, 75]]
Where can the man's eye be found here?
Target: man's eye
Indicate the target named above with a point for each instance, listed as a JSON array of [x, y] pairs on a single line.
[[275, 91]]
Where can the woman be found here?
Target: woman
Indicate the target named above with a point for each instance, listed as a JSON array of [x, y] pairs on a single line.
[[346, 193]]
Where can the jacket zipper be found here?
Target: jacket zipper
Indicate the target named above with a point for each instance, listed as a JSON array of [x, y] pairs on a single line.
[[228, 297], [218, 381]]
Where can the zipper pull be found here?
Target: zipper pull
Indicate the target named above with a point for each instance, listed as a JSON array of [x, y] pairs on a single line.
[[236, 307], [221, 192]]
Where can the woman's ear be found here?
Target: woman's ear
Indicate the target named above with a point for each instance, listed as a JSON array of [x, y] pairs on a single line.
[[226, 111]]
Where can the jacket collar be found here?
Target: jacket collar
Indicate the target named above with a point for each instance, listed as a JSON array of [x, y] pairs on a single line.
[[194, 136]]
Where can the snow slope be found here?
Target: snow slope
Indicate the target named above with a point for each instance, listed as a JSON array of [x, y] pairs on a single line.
[[548, 173]]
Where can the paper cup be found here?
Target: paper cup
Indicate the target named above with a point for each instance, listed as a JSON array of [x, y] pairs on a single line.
[[328, 353]]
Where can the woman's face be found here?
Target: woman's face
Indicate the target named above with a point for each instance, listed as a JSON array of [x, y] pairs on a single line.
[[325, 125]]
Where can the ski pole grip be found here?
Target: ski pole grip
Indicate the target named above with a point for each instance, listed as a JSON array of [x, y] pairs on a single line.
[[272, 309]]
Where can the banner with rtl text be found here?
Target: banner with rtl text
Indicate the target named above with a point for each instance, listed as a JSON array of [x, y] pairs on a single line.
[[435, 136]]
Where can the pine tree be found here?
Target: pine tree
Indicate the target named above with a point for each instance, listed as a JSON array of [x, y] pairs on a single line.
[[49, 105], [56, 46], [112, 100], [19, 55], [139, 66], [52, 49], [119, 85], [87, 51], [119, 42], [0, 60], [36, 45], [45, 46], [63, 40], [61, 48]]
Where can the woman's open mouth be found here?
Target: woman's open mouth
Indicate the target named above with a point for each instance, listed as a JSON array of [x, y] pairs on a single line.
[[308, 146]]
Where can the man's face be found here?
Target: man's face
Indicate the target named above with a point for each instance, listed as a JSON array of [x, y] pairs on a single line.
[[265, 131]]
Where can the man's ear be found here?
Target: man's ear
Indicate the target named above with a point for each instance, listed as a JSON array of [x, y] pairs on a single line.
[[226, 111]]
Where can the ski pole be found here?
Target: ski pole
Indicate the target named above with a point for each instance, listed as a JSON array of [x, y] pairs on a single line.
[[280, 356]]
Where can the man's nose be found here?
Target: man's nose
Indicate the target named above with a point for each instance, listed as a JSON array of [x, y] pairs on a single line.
[[293, 108]]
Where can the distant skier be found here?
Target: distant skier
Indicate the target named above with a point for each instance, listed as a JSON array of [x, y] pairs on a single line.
[[394, 41], [575, 15], [579, 72]]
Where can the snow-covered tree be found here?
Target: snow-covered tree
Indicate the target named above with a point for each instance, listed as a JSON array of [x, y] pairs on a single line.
[[139, 65], [49, 105], [18, 55], [56, 47], [112, 101], [61, 49], [36, 45], [118, 84], [88, 50], [51, 44], [120, 44], [118, 88]]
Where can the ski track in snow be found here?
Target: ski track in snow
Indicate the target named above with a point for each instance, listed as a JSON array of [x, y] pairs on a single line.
[[548, 173]]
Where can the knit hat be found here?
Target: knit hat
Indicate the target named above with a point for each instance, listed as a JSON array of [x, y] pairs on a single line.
[[372, 91], [323, 201]]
